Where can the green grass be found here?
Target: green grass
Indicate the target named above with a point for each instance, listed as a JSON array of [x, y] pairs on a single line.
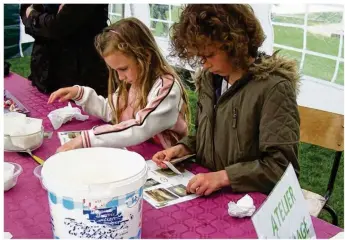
[[289, 36], [175, 13], [316, 164], [20, 66], [317, 67], [160, 29], [192, 104], [315, 161], [314, 66], [313, 18], [293, 37]]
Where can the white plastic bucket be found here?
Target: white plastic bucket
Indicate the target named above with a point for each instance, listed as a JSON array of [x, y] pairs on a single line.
[[95, 193]]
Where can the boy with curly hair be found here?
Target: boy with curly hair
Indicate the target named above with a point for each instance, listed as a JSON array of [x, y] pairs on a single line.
[[247, 127]]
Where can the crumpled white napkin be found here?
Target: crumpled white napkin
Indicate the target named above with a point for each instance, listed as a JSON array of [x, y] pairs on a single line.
[[243, 208], [62, 115], [7, 235]]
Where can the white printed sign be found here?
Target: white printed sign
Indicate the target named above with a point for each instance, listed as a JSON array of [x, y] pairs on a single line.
[[284, 214]]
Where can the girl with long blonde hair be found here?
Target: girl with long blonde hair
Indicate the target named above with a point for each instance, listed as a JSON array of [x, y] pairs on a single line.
[[146, 98]]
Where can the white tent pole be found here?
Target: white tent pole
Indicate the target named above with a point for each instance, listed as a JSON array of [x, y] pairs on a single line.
[[23, 38], [263, 13]]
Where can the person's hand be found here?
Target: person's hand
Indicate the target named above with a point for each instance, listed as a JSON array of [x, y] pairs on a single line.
[[75, 143], [60, 7], [29, 10], [207, 183], [179, 150], [64, 94]]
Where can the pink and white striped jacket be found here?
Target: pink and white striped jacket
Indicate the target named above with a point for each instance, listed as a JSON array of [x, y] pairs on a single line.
[[162, 119]]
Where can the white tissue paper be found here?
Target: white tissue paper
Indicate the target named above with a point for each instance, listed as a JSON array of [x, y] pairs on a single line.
[[7, 235], [243, 208], [65, 114], [21, 130]]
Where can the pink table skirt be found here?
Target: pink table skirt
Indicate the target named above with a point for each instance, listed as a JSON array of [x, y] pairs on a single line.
[[26, 207]]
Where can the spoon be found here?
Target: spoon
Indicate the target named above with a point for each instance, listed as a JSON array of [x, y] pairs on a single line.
[[37, 159]]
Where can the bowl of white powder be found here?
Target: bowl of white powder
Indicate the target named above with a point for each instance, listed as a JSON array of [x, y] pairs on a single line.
[[22, 133], [22, 142]]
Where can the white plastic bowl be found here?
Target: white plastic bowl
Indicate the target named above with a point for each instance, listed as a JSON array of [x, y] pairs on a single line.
[[21, 143], [37, 173], [11, 180]]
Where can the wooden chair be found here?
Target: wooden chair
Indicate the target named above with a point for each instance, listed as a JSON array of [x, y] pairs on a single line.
[[324, 129]]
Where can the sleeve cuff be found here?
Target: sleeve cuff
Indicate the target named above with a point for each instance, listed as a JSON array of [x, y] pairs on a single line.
[[80, 94], [189, 142], [233, 174], [85, 136]]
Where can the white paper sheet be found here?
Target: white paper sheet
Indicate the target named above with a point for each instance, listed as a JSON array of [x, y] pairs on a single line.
[[7, 235], [165, 188], [68, 136]]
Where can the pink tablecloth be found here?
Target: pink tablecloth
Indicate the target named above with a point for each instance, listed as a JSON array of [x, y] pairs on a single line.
[[26, 205]]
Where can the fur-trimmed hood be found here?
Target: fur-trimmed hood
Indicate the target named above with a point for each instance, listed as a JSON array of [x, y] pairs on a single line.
[[277, 65], [265, 66]]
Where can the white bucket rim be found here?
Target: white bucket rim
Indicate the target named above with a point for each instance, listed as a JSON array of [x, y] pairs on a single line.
[[132, 183]]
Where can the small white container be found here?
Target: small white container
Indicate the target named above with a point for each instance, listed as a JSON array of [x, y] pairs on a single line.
[[11, 173], [37, 173]]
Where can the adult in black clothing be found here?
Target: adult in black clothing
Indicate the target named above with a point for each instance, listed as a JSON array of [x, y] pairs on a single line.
[[63, 53]]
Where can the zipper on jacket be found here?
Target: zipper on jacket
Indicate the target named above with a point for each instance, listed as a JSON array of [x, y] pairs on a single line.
[[215, 108], [234, 118], [214, 127], [233, 89]]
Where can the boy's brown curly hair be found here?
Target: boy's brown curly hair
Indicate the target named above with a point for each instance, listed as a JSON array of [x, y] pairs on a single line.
[[232, 26]]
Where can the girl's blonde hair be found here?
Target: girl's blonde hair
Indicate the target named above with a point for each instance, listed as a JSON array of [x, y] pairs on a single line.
[[132, 38]]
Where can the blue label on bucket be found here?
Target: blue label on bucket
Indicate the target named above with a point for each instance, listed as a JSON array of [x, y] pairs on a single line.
[[107, 216], [132, 200], [118, 217]]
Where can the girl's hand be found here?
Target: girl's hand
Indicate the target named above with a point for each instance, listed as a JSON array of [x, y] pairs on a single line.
[[73, 144], [64, 94]]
